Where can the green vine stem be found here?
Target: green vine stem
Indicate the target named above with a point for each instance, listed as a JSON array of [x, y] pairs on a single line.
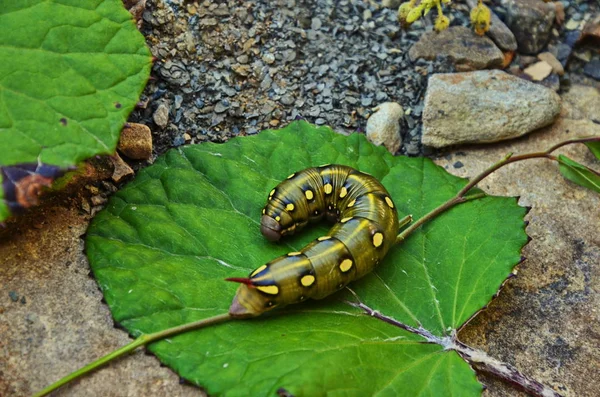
[[460, 197], [141, 340]]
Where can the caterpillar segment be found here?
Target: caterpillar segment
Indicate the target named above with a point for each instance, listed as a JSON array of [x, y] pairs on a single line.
[[366, 226]]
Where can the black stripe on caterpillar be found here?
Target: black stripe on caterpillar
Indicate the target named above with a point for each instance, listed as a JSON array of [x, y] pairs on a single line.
[[366, 228]]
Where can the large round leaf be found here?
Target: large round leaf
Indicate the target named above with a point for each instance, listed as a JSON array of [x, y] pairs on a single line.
[[71, 73], [164, 244]]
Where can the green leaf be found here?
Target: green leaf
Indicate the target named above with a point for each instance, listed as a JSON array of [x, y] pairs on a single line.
[[71, 73], [579, 173], [164, 244], [594, 148]]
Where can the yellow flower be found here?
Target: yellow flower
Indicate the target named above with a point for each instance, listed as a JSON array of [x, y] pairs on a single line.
[[480, 18], [403, 11], [441, 23], [414, 14]]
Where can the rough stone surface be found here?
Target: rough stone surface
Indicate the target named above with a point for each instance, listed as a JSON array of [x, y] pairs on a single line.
[[499, 32], [136, 141], [59, 322], [484, 106], [466, 50], [383, 126], [545, 320], [582, 102], [531, 22]]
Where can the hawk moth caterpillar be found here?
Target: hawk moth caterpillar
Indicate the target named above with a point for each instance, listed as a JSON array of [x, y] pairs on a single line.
[[365, 229]]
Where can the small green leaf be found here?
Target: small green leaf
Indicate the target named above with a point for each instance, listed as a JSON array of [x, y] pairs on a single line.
[[163, 245], [594, 148], [579, 173], [71, 73]]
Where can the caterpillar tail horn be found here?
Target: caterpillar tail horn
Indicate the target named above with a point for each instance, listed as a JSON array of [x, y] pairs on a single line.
[[240, 280]]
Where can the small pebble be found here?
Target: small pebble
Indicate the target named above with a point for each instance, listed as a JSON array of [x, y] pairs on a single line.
[[161, 115]]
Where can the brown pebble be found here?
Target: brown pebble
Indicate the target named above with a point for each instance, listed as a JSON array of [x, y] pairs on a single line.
[[552, 61], [122, 170], [136, 141]]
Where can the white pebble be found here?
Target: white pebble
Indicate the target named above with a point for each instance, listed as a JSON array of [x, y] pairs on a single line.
[[383, 127]]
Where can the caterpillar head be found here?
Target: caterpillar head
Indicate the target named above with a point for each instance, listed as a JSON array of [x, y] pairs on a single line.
[[270, 228]]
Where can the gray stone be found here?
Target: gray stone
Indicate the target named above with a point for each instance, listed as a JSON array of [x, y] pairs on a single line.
[[466, 50], [499, 32], [531, 22], [287, 99], [391, 3], [161, 115], [383, 127], [484, 106], [592, 69]]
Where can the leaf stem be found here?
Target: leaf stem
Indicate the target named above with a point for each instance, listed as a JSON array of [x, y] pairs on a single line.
[[476, 358], [141, 340], [461, 197]]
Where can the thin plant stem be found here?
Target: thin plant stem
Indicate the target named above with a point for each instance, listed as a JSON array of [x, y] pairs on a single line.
[[461, 197], [141, 340], [476, 358]]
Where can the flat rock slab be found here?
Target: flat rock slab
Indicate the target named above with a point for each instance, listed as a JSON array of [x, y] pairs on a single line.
[[484, 106], [545, 320], [462, 46]]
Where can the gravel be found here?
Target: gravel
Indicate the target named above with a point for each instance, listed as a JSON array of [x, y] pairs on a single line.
[[231, 68], [240, 67]]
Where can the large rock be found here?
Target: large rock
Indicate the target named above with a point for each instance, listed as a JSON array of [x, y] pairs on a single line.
[[531, 22], [484, 106], [462, 46]]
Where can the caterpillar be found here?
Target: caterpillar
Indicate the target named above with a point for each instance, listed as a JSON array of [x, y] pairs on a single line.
[[365, 229]]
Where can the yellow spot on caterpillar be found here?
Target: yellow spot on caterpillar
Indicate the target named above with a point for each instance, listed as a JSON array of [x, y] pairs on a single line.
[[269, 289], [328, 188], [307, 280], [277, 218], [343, 192], [323, 238], [346, 265], [264, 211], [351, 203], [309, 194], [346, 219], [389, 202], [377, 239], [294, 253], [289, 207], [260, 269], [271, 193], [291, 176]]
